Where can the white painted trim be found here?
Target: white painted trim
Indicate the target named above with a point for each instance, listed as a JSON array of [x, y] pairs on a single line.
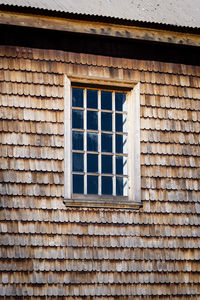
[[134, 167], [67, 139]]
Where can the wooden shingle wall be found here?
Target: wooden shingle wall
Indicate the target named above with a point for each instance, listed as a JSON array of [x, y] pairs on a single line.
[[49, 251]]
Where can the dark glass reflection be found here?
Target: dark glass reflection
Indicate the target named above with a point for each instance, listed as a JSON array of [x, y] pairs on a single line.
[[92, 120], [77, 140], [78, 185], [106, 121], [106, 164], [92, 163], [119, 186], [121, 165], [121, 143], [92, 99], [106, 100], [77, 97], [92, 184], [120, 122], [106, 142], [106, 185], [120, 101], [77, 119], [77, 162], [92, 141]]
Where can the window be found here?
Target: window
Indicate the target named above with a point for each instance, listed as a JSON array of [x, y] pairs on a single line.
[[99, 142], [102, 145]]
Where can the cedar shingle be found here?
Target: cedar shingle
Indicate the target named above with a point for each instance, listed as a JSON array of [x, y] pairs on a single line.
[[96, 277], [151, 252], [53, 55], [170, 125], [169, 160], [32, 115], [32, 127], [32, 102], [125, 266], [32, 139], [160, 171], [30, 77], [172, 114]]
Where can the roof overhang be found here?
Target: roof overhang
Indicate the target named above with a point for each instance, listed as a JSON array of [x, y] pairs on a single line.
[[99, 28]]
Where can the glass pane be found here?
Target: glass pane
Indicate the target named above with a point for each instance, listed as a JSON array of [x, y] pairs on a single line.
[[78, 185], [120, 102], [106, 121], [121, 122], [92, 99], [77, 119], [106, 100], [92, 120], [106, 142], [121, 143], [92, 184], [121, 186], [77, 140], [121, 165], [77, 97], [92, 163], [92, 141], [106, 185], [106, 164], [77, 164]]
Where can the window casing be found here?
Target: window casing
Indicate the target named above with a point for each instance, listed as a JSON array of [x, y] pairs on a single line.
[[102, 143]]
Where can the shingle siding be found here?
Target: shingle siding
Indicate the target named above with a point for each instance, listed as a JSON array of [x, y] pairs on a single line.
[[49, 250]]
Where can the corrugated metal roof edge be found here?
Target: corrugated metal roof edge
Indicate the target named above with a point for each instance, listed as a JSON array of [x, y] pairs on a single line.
[[92, 17]]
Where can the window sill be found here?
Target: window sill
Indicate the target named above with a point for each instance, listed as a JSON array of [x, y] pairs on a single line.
[[96, 201]]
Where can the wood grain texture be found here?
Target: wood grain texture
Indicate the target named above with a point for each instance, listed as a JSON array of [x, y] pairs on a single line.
[[99, 28], [49, 251]]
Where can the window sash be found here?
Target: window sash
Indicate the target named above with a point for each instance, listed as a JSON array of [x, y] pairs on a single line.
[[134, 186], [100, 174]]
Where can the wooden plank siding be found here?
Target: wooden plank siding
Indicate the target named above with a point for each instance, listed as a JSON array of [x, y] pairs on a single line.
[[49, 251]]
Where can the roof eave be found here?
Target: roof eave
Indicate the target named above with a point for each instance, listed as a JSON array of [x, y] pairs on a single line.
[[96, 18]]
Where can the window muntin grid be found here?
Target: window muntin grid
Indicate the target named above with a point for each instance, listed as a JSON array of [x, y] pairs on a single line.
[[99, 142]]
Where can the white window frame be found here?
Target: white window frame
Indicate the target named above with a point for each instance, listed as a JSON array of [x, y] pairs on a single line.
[[133, 200]]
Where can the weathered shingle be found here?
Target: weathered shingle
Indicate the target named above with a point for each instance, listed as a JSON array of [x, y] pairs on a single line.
[[152, 253], [35, 60]]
